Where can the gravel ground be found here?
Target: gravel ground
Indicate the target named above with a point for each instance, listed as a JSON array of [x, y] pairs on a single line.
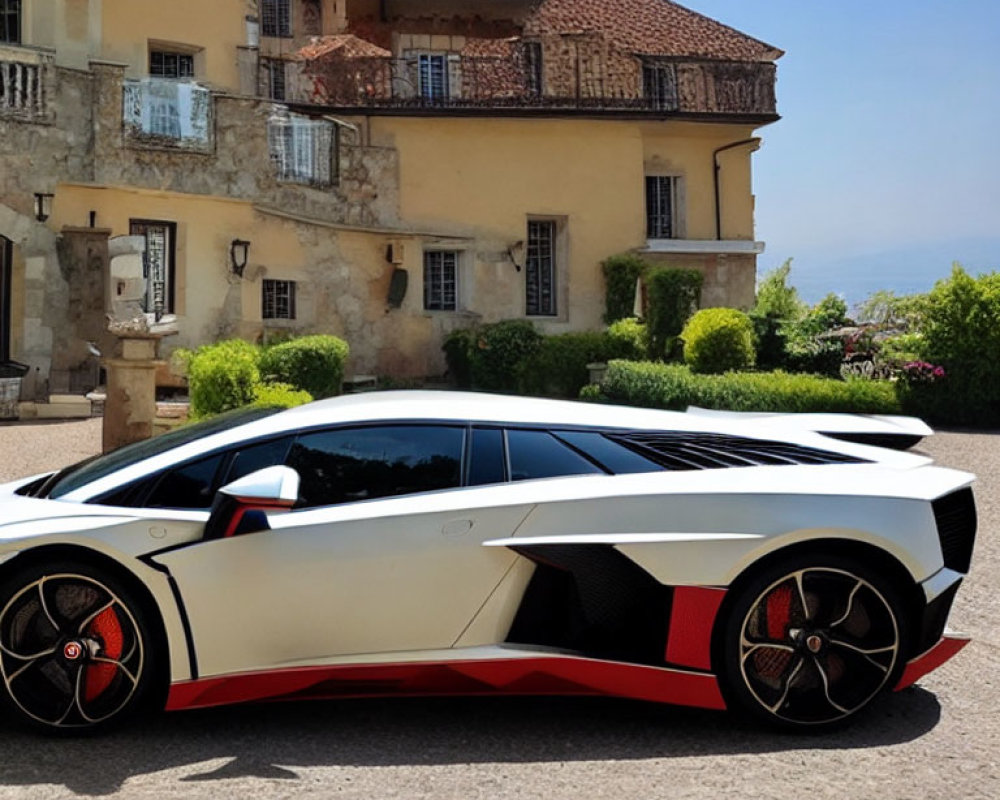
[[940, 739]]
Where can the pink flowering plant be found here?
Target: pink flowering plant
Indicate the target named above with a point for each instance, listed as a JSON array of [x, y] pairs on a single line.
[[921, 372]]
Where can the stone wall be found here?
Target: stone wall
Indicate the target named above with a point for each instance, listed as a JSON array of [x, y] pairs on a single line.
[[239, 166], [730, 279]]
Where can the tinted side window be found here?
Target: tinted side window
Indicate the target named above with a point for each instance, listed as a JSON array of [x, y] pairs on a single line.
[[187, 486], [538, 454], [352, 464], [615, 457], [486, 457], [257, 456]]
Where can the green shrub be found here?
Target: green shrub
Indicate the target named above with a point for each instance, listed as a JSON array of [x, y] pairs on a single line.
[[621, 273], [458, 349], [775, 298], [279, 394], [673, 296], [314, 364], [591, 393], [769, 337], [558, 368], [674, 386], [222, 376], [499, 350], [718, 339], [961, 333], [627, 338]]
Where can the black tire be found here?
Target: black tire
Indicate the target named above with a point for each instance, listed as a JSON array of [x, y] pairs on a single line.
[[810, 641], [76, 649]]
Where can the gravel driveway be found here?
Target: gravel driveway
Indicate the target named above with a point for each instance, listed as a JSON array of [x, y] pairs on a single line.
[[940, 739]]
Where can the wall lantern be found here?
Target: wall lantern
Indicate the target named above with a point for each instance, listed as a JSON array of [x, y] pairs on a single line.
[[43, 206], [238, 251]]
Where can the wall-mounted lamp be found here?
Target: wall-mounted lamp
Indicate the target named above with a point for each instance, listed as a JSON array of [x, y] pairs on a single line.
[[515, 252], [43, 205], [239, 249]]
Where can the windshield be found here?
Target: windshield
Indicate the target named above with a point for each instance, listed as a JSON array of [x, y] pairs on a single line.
[[97, 467]]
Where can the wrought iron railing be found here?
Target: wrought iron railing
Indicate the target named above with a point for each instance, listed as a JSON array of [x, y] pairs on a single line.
[[167, 112], [520, 80]]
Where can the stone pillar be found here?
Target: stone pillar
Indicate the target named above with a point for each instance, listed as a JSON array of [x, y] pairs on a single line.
[[130, 407]]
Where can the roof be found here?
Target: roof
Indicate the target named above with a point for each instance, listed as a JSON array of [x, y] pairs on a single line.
[[343, 45], [649, 27]]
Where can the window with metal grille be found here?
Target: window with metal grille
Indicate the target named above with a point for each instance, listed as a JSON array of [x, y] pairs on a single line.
[[274, 68], [441, 280], [275, 18], [661, 206], [659, 85], [303, 150], [170, 65], [533, 68], [433, 76], [10, 21], [157, 263], [540, 268], [278, 299]]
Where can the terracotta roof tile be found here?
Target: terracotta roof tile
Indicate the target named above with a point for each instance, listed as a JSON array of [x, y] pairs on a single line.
[[343, 45], [649, 27]]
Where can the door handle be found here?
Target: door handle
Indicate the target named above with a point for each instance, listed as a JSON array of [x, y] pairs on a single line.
[[457, 527]]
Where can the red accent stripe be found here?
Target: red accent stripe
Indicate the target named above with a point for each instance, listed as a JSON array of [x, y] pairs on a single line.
[[917, 667], [517, 676], [692, 617], [256, 505]]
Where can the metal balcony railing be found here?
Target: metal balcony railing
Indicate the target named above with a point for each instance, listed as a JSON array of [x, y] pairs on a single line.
[[168, 113], [519, 80]]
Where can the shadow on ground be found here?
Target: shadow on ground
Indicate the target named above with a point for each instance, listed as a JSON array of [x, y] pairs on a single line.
[[272, 741]]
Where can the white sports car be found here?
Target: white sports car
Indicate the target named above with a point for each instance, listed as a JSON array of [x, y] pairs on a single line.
[[447, 543]]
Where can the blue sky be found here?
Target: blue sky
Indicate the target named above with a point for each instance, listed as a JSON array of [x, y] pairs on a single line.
[[885, 166]]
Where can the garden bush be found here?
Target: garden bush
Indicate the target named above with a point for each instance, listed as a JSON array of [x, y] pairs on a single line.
[[627, 338], [558, 368], [960, 330], [314, 364], [222, 376], [458, 349], [674, 386], [717, 340], [672, 297], [280, 394], [498, 352], [621, 273]]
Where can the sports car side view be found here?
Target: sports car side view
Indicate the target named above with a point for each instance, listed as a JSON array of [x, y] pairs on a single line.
[[448, 543]]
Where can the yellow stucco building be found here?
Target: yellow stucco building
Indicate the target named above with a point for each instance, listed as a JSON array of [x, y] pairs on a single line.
[[385, 171]]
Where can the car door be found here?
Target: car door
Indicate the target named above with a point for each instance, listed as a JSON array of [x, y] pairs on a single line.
[[386, 556]]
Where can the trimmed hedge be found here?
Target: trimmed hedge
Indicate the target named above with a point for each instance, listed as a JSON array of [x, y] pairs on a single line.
[[280, 394], [621, 273], [559, 367], [498, 351], [222, 376], [672, 297], [314, 364], [717, 340], [672, 386]]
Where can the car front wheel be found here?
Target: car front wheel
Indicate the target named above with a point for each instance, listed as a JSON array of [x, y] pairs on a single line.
[[75, 651], [812, 641]]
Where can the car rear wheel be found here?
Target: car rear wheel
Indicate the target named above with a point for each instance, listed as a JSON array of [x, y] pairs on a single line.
[[812, 641], [75, 652]]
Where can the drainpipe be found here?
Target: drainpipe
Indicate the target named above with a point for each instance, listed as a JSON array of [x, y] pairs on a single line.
[[755, 141]]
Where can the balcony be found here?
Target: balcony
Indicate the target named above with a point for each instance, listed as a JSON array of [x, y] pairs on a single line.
[[25, 83], [164, 113], [520, 79]]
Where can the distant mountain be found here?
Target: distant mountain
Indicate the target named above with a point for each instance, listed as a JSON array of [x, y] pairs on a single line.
[[904, 271]]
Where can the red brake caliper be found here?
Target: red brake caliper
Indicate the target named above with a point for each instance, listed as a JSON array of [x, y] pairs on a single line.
[[106, 628], [778, 607]]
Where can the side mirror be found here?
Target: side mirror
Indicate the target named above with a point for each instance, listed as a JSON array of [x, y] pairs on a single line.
[[241, 506]]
